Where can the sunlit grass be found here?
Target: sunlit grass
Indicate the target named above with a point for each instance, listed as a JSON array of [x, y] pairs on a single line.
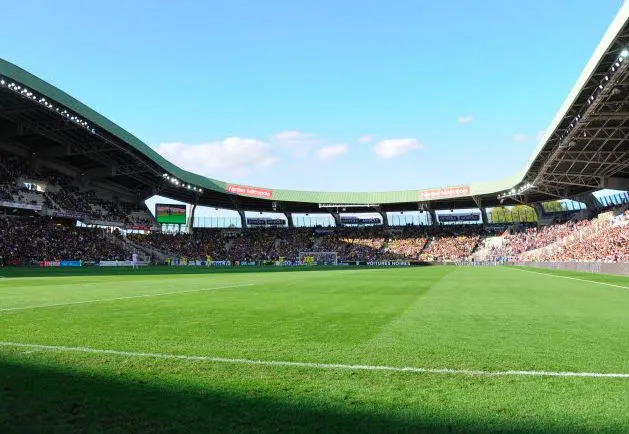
[[492, 319]]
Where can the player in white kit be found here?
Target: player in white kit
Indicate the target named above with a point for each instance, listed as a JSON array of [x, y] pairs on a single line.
[[134, 260]]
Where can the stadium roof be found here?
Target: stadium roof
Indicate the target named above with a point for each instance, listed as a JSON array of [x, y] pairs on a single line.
[[584, 149]]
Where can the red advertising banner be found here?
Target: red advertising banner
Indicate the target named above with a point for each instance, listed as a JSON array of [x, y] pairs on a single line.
[[445, 192], [139, 228], [249, 191]]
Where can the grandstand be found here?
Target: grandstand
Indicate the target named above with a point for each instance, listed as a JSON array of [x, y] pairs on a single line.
[[111, 322], [61, 160]]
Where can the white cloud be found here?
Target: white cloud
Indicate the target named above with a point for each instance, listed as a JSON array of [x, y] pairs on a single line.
[[231, 157], [520, 137], [392, 148], [297, 142], [465, 119], [331, 152], [366, 139]]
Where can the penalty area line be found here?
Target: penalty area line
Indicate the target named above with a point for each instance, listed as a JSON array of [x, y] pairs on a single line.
[[571, 278], [130, 297], [313, 365]]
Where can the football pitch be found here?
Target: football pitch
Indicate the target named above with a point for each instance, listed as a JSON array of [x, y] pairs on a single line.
[[426, 349]]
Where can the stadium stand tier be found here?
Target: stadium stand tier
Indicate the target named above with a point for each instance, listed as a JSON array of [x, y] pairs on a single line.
[[66, 170]]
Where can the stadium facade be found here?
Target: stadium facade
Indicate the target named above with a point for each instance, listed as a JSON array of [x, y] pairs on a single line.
[[584, 149]]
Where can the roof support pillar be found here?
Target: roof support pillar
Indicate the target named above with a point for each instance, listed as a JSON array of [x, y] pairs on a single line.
[[243, 218], [539, 209], [590, 201], [385, 218], [483, 212], [483, 216], [289, 219], [337, 219], [190, 223], [433, 217]]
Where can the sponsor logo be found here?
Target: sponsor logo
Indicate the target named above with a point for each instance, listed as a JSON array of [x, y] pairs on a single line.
[[266, 222], [249, 191], [67, 215], [139, 228], [120, 263], [389, 263], [444, 193], [60, 263], [360, 221], [471, 217]]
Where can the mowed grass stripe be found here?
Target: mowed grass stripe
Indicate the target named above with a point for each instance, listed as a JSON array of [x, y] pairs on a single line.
[[505, 352], [489, 319], [159, 294], [315, 365]]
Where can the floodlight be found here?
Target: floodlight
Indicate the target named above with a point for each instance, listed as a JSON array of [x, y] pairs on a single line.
[[624, 53]]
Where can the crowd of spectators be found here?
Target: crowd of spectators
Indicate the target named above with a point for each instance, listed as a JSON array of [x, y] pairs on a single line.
[[33, 239], [426, 243], [27, 239], [611, 244], [453, 243], [350, 243], [37, 238], [530, 238], [63, 194]]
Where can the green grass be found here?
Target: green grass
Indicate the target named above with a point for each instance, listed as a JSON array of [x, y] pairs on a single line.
[[491, 319]]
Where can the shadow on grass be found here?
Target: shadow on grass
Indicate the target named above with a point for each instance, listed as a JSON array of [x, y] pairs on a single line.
[[38, 399]]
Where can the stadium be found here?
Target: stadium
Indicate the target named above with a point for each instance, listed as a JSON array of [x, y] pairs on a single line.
[[503, 309]]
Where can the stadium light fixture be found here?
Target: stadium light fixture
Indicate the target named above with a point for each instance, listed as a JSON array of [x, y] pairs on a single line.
[[624, 53]]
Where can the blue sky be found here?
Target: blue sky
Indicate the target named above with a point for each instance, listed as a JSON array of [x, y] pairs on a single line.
[[320, 95]]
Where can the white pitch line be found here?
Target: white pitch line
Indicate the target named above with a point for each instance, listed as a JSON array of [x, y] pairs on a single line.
[[160, 294], [314, 365], [572, 278]]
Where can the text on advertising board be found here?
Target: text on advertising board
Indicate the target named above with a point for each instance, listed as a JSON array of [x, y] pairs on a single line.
[[249, 191], [444, 193]]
